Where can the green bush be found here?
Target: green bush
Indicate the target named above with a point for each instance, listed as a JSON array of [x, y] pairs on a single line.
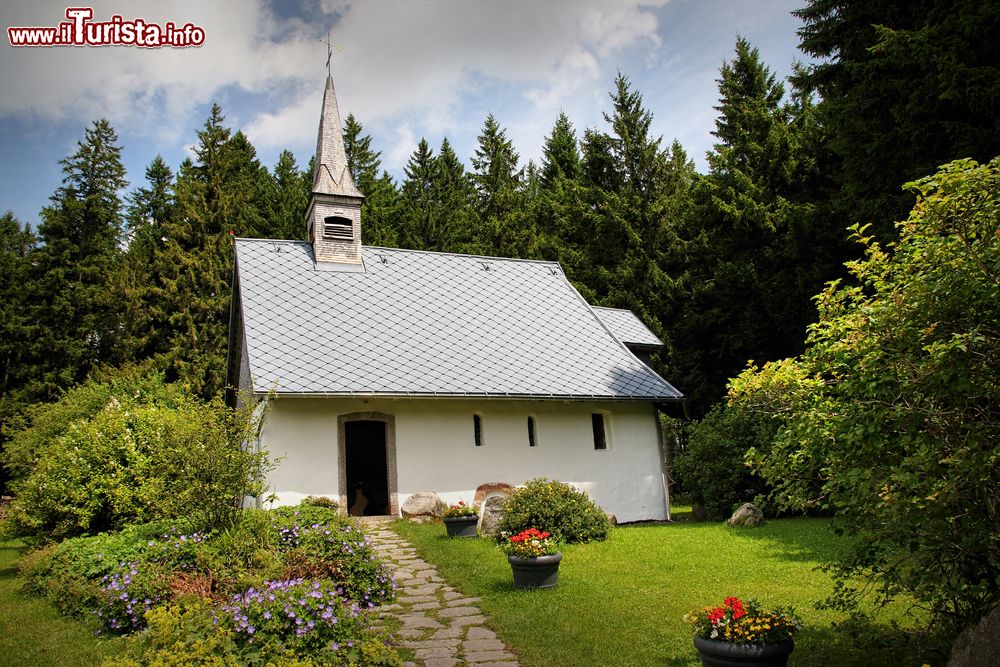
[[186, 633], [555, 507], [149, 452], [69, 574], [711, 468]]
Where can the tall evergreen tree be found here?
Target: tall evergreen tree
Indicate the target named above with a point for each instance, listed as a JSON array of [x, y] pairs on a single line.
[[453, 191], [418, 214], [504, 227], [497, 178], [291, 197], [150, 211], [637, 155], [378, 212], [149, 208], [218, 196], [752, 257], [560, 154], [73, 314]]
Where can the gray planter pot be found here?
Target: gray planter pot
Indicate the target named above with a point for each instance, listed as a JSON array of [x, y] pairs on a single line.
[[715, 653], [461, 526], [541, 572]]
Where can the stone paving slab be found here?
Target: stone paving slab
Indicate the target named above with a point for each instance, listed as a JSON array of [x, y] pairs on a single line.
[[441, 626]]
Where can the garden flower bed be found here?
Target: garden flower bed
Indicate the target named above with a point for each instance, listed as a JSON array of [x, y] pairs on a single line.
[[289, 584]]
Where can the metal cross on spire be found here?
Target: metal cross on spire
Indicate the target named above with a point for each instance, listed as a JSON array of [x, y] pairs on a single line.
[[329, 52]]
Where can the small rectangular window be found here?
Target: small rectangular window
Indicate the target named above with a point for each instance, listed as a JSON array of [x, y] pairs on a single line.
[[531, 432], [600, 439], [477, 429]]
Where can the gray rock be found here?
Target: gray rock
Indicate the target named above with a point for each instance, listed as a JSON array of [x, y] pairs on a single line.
[[490, 516], [978, 645], [747, 514], [425, 505], [698, 512]]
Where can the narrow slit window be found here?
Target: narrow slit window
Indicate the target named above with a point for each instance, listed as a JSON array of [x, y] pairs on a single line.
[[531, 432], [477, 429], [600, 438]]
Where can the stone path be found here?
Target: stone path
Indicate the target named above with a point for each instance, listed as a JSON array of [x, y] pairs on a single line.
[[442, 627]]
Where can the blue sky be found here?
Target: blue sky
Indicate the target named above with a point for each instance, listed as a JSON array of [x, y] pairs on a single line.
[[405, 69]]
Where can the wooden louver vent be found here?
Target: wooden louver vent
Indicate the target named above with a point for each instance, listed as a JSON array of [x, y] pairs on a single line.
[[336, 227]]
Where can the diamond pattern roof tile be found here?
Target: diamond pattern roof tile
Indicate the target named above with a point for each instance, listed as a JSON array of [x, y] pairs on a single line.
[[429, 323]]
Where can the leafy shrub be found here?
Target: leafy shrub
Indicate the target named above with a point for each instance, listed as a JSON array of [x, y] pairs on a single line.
[[149, 452], [556, 507], [889, 416], [711, 467], [69, 574]]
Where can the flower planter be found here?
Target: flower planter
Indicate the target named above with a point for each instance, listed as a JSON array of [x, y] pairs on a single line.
[[461, 526], [540, 572], [715, 653]]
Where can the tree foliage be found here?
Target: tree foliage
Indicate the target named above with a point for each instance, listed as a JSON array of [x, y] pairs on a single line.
[[905, 87], [891, 416]]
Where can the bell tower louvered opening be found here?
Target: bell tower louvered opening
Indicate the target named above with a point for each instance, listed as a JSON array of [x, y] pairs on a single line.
[[337, 227]]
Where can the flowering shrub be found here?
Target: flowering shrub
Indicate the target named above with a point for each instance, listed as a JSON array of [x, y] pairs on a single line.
[[297, 616], [335, 548], [742, 622], [459, 509], [531, 543], [128, 594]]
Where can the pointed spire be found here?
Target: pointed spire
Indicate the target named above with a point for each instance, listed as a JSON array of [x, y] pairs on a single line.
[[331, 175]]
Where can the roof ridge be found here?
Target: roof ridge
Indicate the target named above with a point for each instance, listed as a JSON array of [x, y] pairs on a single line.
[[463, 254]]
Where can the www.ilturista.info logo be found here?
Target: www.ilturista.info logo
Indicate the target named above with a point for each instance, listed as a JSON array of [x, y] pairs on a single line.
[[79, 30]]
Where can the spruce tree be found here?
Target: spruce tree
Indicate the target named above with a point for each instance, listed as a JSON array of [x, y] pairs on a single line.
[[291, 197], [419, 214], [504, 226], [453, 191], [72, 312], [751, 252], [378, 213], [560, 155], [216, 200], [150, 211]]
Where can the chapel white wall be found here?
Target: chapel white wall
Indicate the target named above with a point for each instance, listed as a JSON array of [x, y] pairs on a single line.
[[435, 448]]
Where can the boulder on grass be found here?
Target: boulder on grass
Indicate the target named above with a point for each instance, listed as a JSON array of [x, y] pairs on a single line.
[[490, 516], [747, 514], [423, 506], [978, 645]]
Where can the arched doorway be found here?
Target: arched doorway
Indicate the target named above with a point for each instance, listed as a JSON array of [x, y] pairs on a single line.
[[367, 459]]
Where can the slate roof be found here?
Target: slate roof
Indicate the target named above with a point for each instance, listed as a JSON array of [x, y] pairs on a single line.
[[427, 324], [626, 327]]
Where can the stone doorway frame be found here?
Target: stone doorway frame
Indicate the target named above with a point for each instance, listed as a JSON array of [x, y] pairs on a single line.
[[390, 456]]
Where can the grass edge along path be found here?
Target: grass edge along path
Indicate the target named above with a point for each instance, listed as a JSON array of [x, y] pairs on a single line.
[[622, 602], [33, 632]]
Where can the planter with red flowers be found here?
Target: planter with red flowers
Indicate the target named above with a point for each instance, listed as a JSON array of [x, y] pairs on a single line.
[[743, 633], [534, 558], [460, 520]]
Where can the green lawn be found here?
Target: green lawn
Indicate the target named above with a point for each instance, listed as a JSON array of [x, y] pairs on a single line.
[[622, 602], [33, 633]]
